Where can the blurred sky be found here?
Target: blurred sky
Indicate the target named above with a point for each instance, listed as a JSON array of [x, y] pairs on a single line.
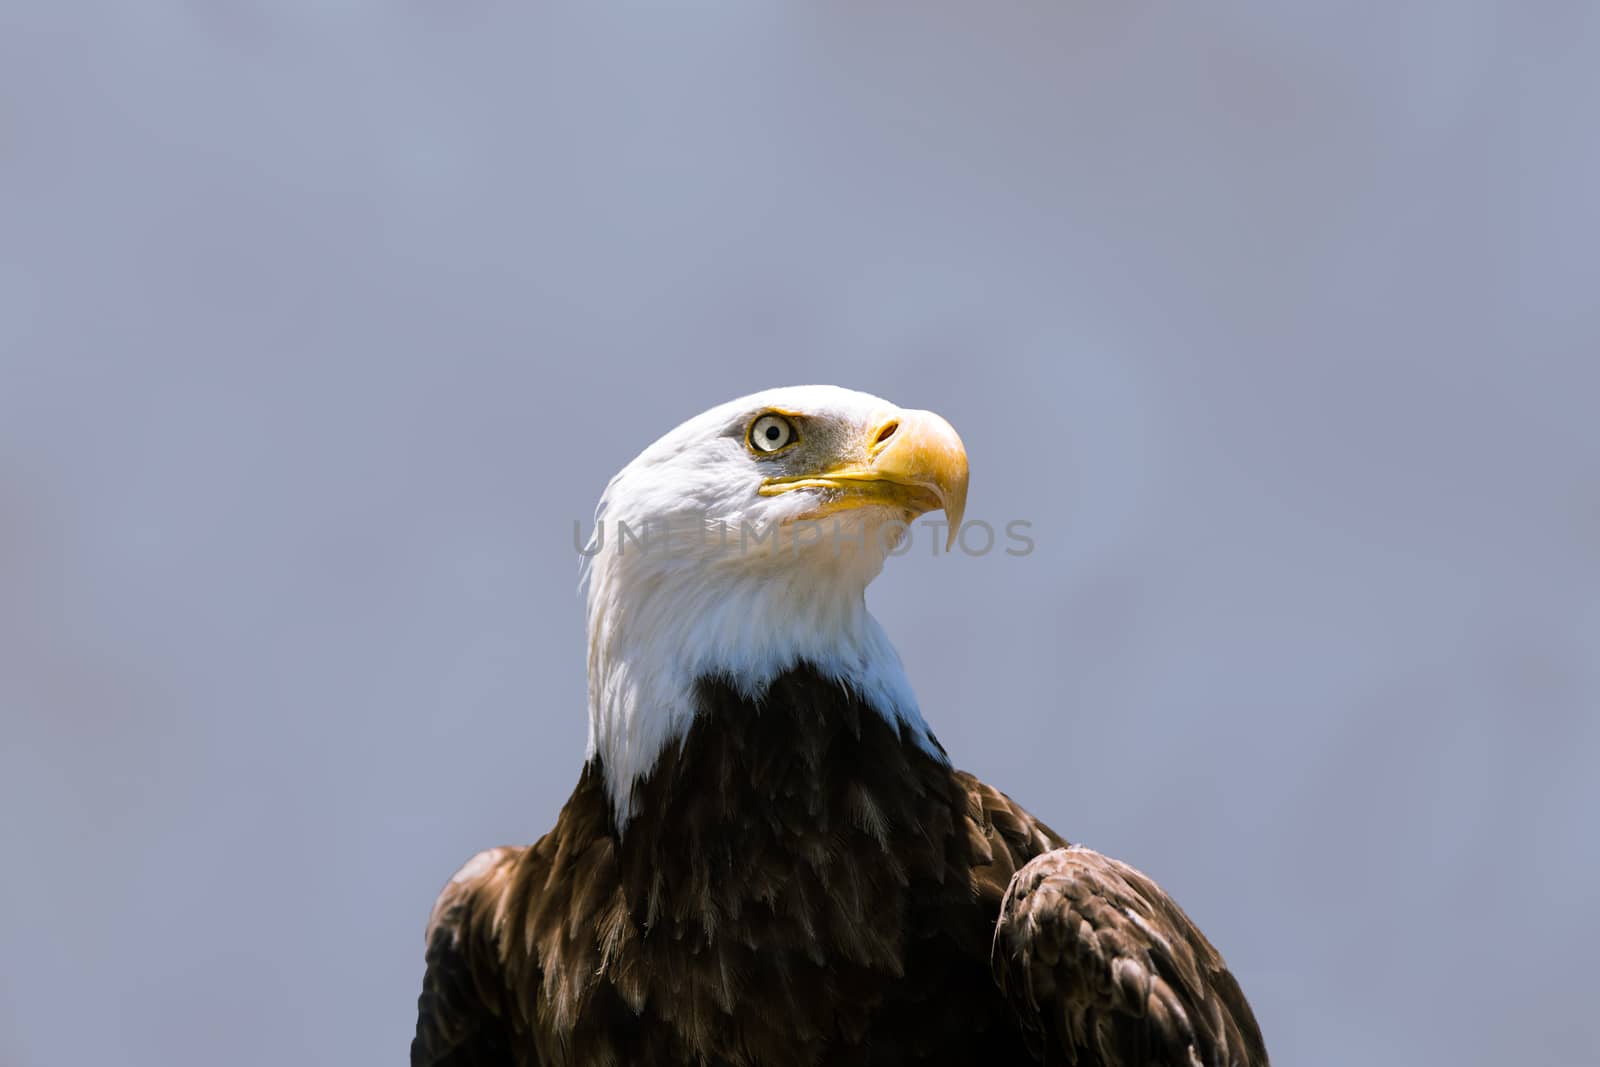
[[320, 324]]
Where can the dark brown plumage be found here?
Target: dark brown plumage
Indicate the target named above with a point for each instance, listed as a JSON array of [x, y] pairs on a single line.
[[1098, 960], [802, 885]]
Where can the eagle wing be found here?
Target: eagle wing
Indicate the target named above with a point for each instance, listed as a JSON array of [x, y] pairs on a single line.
[[1102, 964], [461, 1018]]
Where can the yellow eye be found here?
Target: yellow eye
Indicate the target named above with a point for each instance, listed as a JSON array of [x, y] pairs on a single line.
[[770, 433]]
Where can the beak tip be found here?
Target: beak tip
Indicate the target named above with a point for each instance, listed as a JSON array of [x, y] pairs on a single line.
[[944, 457]]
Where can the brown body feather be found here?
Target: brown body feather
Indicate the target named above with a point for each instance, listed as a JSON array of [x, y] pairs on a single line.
[[799, 885]]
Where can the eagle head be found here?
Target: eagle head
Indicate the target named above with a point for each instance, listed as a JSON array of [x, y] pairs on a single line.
[[739, 545]]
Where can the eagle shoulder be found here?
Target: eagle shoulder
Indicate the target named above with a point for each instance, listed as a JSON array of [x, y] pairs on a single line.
[[520, 941], [463, 1017], [1095, 957]]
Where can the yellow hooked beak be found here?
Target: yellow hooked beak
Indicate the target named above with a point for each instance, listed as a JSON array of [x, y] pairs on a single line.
[[911, 460]]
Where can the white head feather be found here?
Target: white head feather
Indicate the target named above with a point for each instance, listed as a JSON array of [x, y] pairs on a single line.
[[695, 573]]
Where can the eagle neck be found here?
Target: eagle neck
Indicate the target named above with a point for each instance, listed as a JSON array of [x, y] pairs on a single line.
[[659, 634]]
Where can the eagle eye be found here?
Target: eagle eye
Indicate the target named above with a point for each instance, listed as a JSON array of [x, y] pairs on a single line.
[[770, 433]]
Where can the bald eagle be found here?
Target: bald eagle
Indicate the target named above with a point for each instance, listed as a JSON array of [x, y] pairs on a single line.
[[768, 858]]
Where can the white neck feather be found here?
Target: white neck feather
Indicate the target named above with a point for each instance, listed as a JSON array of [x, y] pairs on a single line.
[[661, 621]]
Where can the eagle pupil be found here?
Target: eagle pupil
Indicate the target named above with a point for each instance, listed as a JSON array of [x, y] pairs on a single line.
[[772, 433]]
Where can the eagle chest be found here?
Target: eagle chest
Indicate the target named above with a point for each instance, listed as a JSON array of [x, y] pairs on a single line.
[[777, 939]]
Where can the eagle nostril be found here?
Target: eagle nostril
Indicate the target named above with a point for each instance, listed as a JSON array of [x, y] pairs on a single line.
[[885, 432]]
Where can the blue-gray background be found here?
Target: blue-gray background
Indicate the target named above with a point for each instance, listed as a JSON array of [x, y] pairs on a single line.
[[322, 322]]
